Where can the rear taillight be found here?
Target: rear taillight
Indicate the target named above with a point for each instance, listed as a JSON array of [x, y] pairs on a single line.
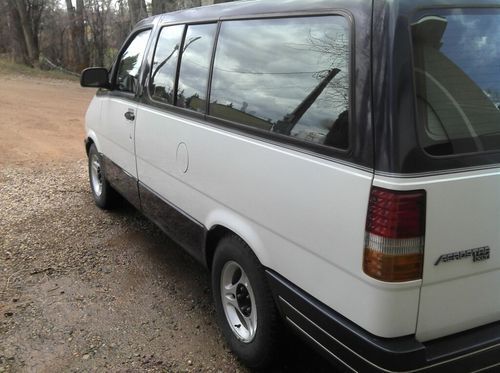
[[395, 234]]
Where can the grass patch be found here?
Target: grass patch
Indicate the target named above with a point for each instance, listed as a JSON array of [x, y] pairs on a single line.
[[10, 68]]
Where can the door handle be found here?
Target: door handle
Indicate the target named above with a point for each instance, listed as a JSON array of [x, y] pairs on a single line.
[[129, 115]]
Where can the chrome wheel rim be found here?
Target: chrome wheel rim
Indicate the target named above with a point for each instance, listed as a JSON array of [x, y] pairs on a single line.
[[238, 301], [96, 176]]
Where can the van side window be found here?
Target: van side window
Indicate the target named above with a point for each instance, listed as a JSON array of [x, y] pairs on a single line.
[[127, 77], [195, 66], [288, 76], [165, 64]]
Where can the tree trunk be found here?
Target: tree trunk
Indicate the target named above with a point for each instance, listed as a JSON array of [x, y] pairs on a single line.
[[81, 44], [35, 13], [162, 6], [73, 50], [17, 43], [29, 37], [138, 11], [123, 21]]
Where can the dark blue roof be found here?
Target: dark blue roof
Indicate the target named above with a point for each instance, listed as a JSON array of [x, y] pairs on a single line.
[[251, 7], [255, 7]]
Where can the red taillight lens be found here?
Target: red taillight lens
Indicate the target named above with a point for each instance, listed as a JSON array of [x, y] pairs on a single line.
[[395, 234]]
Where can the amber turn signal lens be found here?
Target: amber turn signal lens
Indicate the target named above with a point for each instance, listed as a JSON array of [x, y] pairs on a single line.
[[392, 268]]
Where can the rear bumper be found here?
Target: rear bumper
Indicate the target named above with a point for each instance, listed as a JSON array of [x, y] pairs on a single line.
[[340, 340]]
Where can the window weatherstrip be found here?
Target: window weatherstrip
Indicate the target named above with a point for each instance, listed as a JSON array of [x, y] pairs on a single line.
[[211, 68], [178, 68]]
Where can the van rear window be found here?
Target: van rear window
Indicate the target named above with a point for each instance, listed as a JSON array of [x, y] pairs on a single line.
[[457, 74]]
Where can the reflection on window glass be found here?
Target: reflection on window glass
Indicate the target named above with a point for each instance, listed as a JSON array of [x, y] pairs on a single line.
[[288, 76], [130, 63], [195, 65], [165, 63], [457, 71]]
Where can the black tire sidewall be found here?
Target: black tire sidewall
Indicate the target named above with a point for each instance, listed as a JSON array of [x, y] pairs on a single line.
[[260, 351], [103, 201]]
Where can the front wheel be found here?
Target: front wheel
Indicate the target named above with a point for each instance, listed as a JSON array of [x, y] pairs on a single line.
[[245, 308], [104, 195]]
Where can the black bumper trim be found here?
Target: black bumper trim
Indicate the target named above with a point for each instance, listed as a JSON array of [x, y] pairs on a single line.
[[341, 340], [323, 348]]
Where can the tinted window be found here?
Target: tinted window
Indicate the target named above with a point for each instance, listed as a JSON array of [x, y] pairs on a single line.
[[129, 66], [288, 76], [457, 71], [195, 65], [165, 63]]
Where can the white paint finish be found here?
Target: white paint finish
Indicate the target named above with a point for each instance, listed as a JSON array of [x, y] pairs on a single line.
[[292, 194], [386, 311], [461, 304], [117, 133], [303, 216], [92, 120], [248, 231], [463, 212]]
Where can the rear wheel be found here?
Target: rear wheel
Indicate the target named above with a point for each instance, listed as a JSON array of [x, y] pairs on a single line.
[[104, 195], [246, 311]]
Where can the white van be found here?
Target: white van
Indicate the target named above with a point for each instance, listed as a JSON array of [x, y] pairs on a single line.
[[332, 162]]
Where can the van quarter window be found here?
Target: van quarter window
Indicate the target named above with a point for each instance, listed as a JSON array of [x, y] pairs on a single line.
[[130, 63], [456, 58], [195, 66], [165, 64], [288, 76]]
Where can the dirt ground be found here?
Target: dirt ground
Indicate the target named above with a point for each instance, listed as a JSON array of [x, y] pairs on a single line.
[[87, 290]]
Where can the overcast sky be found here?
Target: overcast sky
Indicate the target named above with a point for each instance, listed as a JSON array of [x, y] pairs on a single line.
[[472, 41]]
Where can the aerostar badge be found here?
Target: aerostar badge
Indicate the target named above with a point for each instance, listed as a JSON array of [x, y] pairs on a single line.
[[478, 254]]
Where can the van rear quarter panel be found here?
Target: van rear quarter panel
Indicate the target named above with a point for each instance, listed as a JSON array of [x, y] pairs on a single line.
[[463, 212], [463, 193]]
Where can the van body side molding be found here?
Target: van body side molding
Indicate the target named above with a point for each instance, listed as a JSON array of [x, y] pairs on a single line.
[[121, 181], [180, 227]]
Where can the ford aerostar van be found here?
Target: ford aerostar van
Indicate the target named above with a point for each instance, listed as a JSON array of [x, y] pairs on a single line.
[[335, 164]]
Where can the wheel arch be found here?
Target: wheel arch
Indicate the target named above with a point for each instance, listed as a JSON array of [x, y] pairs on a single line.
[[90, 139], [221, 224]]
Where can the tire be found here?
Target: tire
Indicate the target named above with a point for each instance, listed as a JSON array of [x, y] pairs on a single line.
[[246, 311], [104, 195]]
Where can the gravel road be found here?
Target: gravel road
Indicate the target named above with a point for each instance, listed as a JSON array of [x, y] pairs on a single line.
[[87, 290]]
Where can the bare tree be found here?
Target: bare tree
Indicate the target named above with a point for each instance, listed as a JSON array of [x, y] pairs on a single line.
[[80, 39], [121, 22], [78, 51], [13, 41], [54, 34], [162, 6], [333, 48], [30, 14], [97, 16], [76, 33], [137, 10], [184, 4]]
